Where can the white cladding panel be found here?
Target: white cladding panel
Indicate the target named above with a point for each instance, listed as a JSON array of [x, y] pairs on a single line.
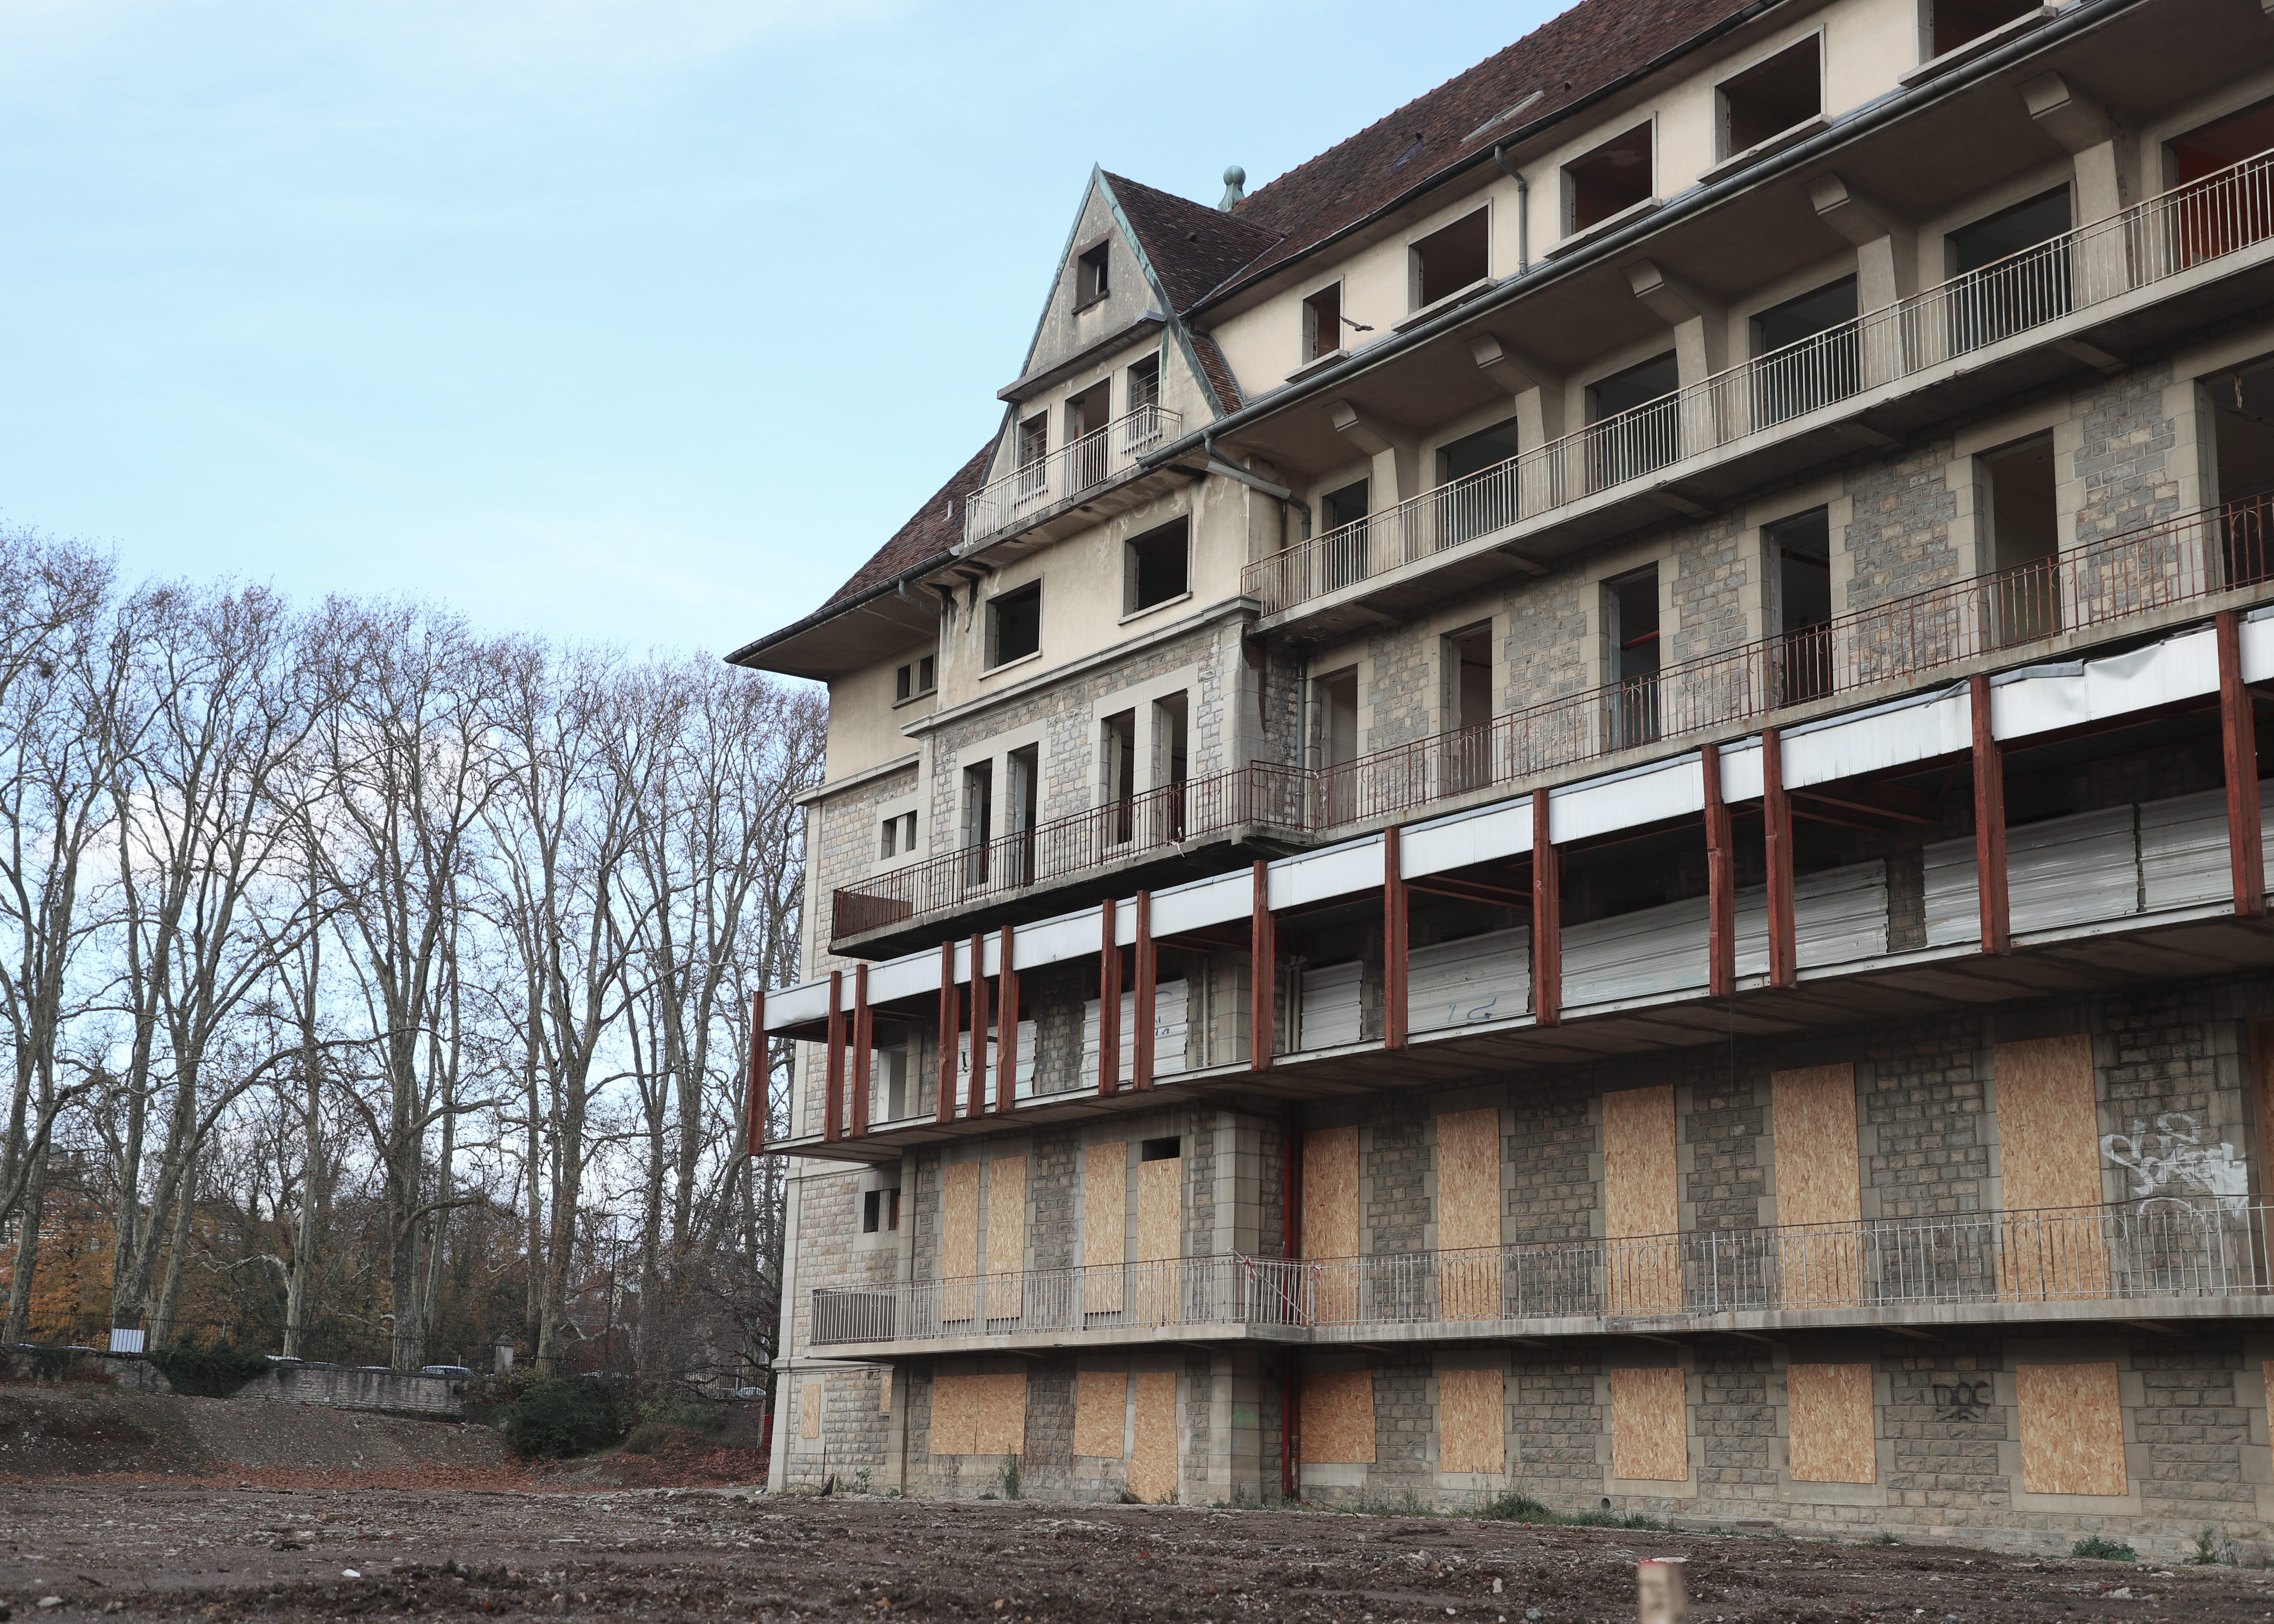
[[1024, 1078], [1635, 955], [2064, 871], [1674, 790], [895, 978], [2181, 667], [2257, 647], [1207, 902], [2183, 855], [1741, 771], [792, 1006], [1838, 916], [1504, 830], [1170, 1033], [1332, 1013], [1873, 741], [1319, 877], [1477, 978], [1054, 940]]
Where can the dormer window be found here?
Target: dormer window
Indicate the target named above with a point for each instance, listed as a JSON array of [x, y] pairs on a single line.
[[1771, 97], [1444, 262], [1609, 180], [1091, 281], [1322, 322], [913, 679]]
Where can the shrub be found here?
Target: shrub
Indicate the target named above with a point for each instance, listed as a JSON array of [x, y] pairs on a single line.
[[1516, 1506], [208, 1373], [2099, 1550], [558, 1418], [662, 1438]]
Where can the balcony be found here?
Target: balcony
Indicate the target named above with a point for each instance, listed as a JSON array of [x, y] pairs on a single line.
[[2197, 1257], [1035, 489], [1927, 340]]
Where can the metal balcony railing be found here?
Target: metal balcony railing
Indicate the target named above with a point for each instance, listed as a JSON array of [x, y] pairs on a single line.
[[1078, 466], [2148, 242], [2159, 1249]]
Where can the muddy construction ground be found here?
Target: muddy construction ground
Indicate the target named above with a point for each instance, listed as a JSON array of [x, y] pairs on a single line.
[[434, 1522]]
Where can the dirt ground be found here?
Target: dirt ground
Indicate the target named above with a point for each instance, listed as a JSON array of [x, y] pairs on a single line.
[[184, 1509]]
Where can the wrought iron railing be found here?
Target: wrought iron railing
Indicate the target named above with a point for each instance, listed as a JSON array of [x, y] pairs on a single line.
[[2148, 242], [2159, 1249], [1074, 468]]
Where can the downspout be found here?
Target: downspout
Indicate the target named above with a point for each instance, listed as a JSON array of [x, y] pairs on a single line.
[[1523, 209], [1221, 465], [901, 588]]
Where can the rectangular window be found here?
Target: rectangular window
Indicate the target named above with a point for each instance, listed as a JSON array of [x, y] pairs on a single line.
[[888, 1085], [2012, 271], [1169, 1149], [1092, 276], [1019, 806], [1489, 504], [1322, 322], [1446, 261], [1144, 388], [1346, 556], [978, 821], [880, 1211], [1465, 663], [899, 837], [1798, 555], [1796, 376], [1117, 765], [1015, 624], [1630, 624], [1156, 566], [913, 679], [1609, 180], [2023, 532], [1089, 457], [2242, 410], [1034, 457], [1641, 425], [1335, 698], [1771, 97], [1954, 22]]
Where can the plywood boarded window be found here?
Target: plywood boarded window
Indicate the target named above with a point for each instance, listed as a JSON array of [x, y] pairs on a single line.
[[1649, 1425], [1468, 1214], [885, 1391], [1819, 1185], [1153, 1463], [1641, 1201], [2072, 1429], [1831, 1434], [958, 1236], [1104, 1226], [809, 1411], [2048, 1167], [1471, 1421], [1338, 1418], [1006, 1236], [1100, 1414], [979, 1415], [1331, 1219]]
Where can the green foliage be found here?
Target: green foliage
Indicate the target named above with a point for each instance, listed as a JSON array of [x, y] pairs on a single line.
[[208, 1373], [1883, 1537], [1011, 1477], [1518, 1506], [553, 1417], [2211, 1546], [1515, 1506], [2099, 1550]]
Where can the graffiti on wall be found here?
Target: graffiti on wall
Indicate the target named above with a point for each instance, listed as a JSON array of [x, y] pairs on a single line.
[[2169, 1161]]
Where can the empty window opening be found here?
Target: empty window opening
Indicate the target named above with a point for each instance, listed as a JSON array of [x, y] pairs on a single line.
[[1335, 697], [1015, 624], [1771, 97], [1798, 553], [1954, 22], [880, 1211], [1488, 504], [1803, 375], [1144, 383], [1467, 672], [1172, 758], [2016, 267], [1644, 430], [915, 678], [1630, 613], [1090, 458], [2225, 211], [2242, 413], [2205, 152], [1346, 505], [1034, 440], [1168, 1149], [1322, 322], [1088, 411], [2024, 538], [1345, 557], [1021, 790], [899, 838], [2009, 232], [1156, 566], [1092, 276], [1609, 180], [1118, 764], [1447, 261], [978, 821], [888, 1074]]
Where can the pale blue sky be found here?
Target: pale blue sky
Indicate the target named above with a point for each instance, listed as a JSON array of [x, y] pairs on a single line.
[[642, 319]]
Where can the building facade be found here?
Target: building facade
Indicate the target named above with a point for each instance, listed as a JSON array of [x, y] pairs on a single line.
[[1573, 808]]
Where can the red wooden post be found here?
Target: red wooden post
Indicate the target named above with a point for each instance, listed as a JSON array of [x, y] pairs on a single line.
[[1140, 1062], [1546, 917], [977, 1106], [2237, 727], [1109, 1000], [1989, 823], [1263, 975], [1393, 941], [1721, 883], [943, 1096], [1776, 817], [832, 1095], [755, 1100], [863, 1033], [1006, 1021]]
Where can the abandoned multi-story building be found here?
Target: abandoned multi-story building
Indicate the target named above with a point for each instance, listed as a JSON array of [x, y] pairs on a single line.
[[1573, 808]]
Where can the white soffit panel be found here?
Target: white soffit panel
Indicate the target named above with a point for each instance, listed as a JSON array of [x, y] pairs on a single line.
[[902, 978], [1740, 770], [1626, 801], [794, 1006], [1054, 940], [2258, 645], [1873, 741], [1188, 908], [1345, 871], [2047, 697], [1504, 830]]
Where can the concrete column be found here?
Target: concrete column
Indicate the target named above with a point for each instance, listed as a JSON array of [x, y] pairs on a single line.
[[2096, 145], [1886, 260], [1701, 348]]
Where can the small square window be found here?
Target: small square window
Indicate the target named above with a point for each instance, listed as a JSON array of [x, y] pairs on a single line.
[[1446, 261], [1609, 180], [1956, 21], [1771, 97], [913, 679], [1091, 276], [880, 1211], [1015, 624], [1157, 567], [1168, 1149], [1322, 322], [899, 837]]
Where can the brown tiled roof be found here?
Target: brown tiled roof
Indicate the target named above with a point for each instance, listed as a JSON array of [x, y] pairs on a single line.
[[935, 530], [1192, 247], [1216, 370], [1595, 43]]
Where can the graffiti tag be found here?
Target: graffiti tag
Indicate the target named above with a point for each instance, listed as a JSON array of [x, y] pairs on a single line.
[[2170, 1159]]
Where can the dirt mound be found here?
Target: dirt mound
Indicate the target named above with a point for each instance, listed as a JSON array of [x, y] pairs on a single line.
[[659, 1457], [67, 1432]]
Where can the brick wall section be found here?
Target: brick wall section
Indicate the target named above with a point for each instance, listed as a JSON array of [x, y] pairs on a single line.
[[1711, 571], [1553, 1197], [2124, 461], [1205, 1139], [1396, 1162], [1556, 1428], [1723, 1128], [1899, 535], [1545, 641], [1945, 1466], [1923, 1104], [1402, 695], [1736, 1424], [1053, 1167], [2195, 1430]]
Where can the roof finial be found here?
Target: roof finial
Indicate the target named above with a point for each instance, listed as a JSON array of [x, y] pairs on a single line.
[[1234, 178]]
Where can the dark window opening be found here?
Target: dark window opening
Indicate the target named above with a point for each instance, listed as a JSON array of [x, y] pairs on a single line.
[[2242, 412], [1468, 673], [1799, 556], [1015, 624], [1642, 427], [1489, 504], [1345, 558], [2015, 271], [1790, 380], [2205, 152], [1091, 281], [1322, 322], [1157, 567], [1770, 97], [1446, 261], [1957, 21], [1168, 1149], [899, 837], [978, 818], [1631, 609], [1171, 730], [1609, 180], [1090, 458], [880, 1210], [1144, 383], [1019, 809], [913, 679], [2223, 211], [1334, 699], [1118, 748], [2024, 537]]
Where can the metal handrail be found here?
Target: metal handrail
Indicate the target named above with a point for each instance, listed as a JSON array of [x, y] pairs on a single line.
[[2147, 242], [1074, 468], [2162, 1248]]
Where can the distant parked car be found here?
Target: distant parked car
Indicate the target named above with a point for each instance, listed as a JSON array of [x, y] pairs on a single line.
[[748, 1393], [457, 1372]]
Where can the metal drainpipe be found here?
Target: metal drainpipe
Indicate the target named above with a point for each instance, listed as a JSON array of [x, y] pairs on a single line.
[[1523, 209]]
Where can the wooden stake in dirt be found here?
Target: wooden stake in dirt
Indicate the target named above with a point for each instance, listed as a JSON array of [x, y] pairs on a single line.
[[1660, 1597]]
